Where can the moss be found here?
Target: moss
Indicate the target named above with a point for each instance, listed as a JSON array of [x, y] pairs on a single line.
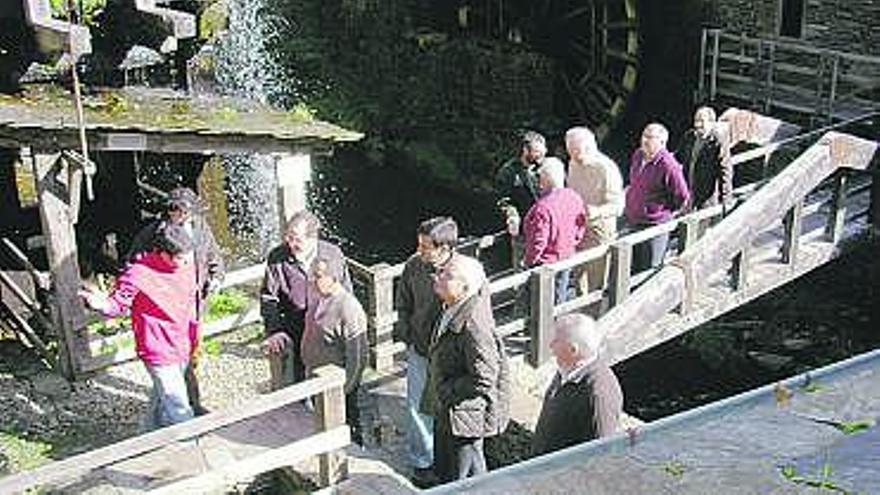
[[24, 454]]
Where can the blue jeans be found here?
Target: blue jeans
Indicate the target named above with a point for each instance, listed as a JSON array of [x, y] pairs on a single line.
[[169, 402], [420, 427]]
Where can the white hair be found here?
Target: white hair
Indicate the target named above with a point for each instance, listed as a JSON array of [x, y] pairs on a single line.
[[582, 138], [468, 271], [660, 129], [582, 331], [553, 171]]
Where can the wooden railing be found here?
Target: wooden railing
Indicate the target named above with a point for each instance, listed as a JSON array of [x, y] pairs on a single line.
[[331, 435], [375, 284], [774, 73]]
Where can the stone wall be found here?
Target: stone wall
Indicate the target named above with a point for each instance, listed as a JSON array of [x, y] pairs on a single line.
[[846, 25]]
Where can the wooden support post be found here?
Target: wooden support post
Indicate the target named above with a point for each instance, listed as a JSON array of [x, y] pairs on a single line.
[[293, 173], [66, 308], [837, 210], [875, 203], [381, 317], [330, 409], [621, 265], [792, 226], [688, 233], [543, 298], [739, 279]]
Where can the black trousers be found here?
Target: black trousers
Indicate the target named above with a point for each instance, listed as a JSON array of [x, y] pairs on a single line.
[[456, 457]]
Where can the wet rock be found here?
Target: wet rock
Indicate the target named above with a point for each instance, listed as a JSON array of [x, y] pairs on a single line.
[[795, 344], [775, 362]]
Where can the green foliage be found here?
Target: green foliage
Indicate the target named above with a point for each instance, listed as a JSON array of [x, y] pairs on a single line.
[[24, 454], [853, 427], [225, 303], [822, 480], [212, 347], [674, 468], [110, 326], [301, 112], [89, 8]]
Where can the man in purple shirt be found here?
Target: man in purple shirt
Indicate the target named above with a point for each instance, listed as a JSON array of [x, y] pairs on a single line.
[[657, 191], [555, 224]]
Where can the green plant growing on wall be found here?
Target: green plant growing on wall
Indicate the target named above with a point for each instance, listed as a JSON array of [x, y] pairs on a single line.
[[822, 480]]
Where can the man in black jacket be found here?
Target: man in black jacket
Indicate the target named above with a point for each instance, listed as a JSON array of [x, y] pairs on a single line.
[[584, 400], [417, 308], [706, 167]]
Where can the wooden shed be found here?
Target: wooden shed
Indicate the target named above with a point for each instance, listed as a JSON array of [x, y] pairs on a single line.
[[41, 123]]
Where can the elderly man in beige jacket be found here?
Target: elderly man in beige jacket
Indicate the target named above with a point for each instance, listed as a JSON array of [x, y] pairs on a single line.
[[598, 181]]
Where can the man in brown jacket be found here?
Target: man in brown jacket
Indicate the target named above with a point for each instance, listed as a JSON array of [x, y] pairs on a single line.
[[336, 333], [584, 400], [469, 372]]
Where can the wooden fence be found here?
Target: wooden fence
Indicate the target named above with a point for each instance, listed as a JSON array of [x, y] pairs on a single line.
[[330, 434]]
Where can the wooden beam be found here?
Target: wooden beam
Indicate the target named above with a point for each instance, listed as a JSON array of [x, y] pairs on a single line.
[[56, 218], [380, 306], [82, 464], [837, 208], [621, 270], [791, 226], [280, 457], [543, 299], [330, 408]]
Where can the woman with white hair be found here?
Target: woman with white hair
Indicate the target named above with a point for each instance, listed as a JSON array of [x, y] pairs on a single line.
[[468, 370], [555, 224]]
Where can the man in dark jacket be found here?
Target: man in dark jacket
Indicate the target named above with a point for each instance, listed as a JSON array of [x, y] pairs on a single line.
[[417, 309], [469, 372], [184, 208], [284, 294], [708, 172], [584, 400]]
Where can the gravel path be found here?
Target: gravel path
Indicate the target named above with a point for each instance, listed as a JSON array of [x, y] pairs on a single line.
[[43, 417]]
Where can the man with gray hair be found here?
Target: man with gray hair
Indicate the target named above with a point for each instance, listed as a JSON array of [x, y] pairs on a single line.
[[555, 224], [657, 191], [584, 400], [598, 181], [470, 379]]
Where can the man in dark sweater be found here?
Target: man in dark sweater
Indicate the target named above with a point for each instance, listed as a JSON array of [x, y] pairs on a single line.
[[418, 308], [584, 400]]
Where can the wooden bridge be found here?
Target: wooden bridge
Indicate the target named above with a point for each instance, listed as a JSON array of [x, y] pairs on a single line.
[[781, 228]]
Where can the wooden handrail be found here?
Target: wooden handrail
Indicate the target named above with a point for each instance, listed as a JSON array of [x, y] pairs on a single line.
[[676, 282], [803, 48]]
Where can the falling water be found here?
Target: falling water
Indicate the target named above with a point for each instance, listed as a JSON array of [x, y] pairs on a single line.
[[244, 69]]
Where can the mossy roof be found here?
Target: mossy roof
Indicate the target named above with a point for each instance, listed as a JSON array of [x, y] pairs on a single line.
[[161, 120]]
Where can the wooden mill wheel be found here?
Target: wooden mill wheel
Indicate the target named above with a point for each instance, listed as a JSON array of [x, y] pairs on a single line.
[[595, 43]]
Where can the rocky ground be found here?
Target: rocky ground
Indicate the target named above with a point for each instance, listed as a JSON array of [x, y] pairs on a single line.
[[43, 417]]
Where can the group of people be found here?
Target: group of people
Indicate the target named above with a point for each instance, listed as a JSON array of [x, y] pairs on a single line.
[[458, 383], [552, 213]]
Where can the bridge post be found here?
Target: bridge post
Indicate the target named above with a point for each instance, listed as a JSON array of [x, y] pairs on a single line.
[[740, 272], [543, 295], [330, 410], [621, 265], [837, 211], [792, 226], [688, 232], [381, 316], [875, 203]]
